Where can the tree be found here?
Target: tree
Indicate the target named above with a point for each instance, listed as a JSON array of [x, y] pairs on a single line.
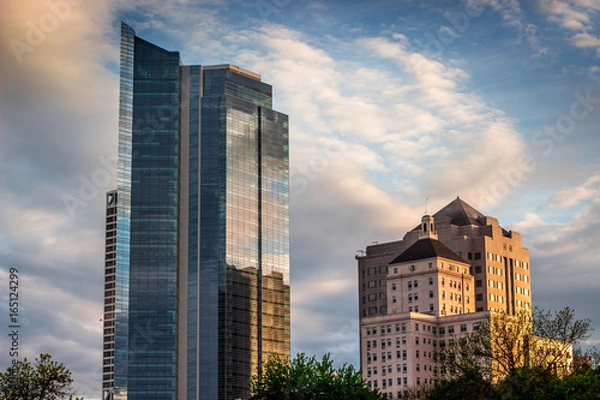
[[582, 385], [554, 336], [531, 383], [584, 360], [469, 385], [306, 378], [506, 343], [520, 356], [46, 380]]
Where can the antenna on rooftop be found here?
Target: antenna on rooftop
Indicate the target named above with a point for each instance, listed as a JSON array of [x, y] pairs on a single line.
[[426, 200]]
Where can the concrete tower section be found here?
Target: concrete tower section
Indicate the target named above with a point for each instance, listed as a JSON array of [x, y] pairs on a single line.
[[439, 282], [495, 256]]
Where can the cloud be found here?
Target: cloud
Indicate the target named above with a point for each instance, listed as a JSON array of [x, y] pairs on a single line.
[[338, 335], [63, 100], [531, 221], [511, 11], [60, 322], [585, 40], [563, 260], [467, 131], [574, 16], [574, 196], [594, 72], [534, 40], [514, 17], [59, 122], [350, 213], [408, 112], [564, 265]]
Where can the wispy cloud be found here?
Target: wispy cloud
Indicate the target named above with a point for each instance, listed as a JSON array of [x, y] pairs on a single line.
[[564, 266], [413, 113], [586, 40], [532, 220], [570, 14], [513, 16], [58, 117], [467, 131], [575, 195], [575, 16]]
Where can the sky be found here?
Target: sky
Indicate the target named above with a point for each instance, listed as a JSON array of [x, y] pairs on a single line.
[[395, 109]]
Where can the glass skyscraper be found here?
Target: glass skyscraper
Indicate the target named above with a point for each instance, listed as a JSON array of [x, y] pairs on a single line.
[[197, 245]]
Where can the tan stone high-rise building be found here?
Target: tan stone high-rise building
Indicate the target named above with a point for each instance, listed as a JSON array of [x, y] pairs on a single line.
[[438, 282]]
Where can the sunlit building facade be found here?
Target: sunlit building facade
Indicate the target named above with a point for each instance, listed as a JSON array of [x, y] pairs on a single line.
[[201, 263], [442, 280]]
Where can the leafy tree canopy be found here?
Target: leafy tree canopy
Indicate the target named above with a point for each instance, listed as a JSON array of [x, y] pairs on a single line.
[[530, 355], [306, 378], [46, 380]]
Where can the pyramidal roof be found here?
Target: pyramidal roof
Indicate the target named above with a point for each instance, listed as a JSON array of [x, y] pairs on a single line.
[[460, 214], [426, 248]]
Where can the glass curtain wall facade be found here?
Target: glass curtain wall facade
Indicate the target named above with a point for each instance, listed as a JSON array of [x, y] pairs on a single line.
[[203, 228]]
